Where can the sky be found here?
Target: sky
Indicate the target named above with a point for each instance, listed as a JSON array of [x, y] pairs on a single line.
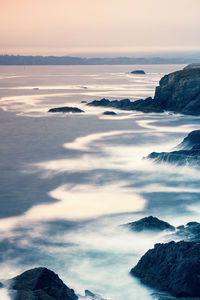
[[99, 27]]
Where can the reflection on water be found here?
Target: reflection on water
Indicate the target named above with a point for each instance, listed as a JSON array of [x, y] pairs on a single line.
[[70, 181]]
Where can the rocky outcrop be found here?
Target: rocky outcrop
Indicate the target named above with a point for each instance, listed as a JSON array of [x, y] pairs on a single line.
[[109, 113], [41, 284], [138, 72], [178, 92], [126, 104], [189, 232], [190, 155], [150, 224], [171, 267], [66, 109]]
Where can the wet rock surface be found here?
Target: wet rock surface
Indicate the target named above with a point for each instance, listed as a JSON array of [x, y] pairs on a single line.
[[171, 267], [41, 284], [190, 155]]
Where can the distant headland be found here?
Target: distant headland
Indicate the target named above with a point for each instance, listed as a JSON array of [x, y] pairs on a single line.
[[70, 60]]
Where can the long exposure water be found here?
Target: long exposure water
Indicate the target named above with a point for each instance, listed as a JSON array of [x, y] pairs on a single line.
[[68, 181]]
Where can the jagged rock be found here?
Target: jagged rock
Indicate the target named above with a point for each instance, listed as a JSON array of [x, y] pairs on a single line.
[[171, 267], [150, 224], [192, 139], [125, 104], [41, 284], [190, 156], [109, 113], [66, 109], [180, 92], [189, 232], [138, 72]]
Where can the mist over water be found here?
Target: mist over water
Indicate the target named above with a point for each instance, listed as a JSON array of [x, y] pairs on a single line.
[[69, 181]]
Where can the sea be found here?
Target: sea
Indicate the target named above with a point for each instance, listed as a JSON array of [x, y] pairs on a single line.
[[68, 182]]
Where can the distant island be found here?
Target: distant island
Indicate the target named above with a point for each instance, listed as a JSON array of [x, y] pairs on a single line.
[[70, 60]]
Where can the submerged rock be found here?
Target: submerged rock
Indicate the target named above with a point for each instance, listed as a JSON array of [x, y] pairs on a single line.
[[189, 156], [171, 267], [41, 284], [150, 224], [138, 72], [66, 109], [109, 113]]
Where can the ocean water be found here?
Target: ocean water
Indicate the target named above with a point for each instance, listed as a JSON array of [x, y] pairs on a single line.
[[68, 181]]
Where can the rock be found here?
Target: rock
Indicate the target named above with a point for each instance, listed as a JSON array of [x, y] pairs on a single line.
[[1, 285], [83, 101], [138, 72], [190, 156], [192, 139], [189, 232], [125, 104], [109, 113], [150, 224], [180, 92], [66, 109], [192, 66], [92, 296], [41, 284], [171, 267]]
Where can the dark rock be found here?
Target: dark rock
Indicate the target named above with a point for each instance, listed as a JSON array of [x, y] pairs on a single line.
[[138, 72], [83, 101], [109, 113], [150, 223], [190, 156], [1, 285], [125, 104], [92, 296], [193, 139], [192, 66], [41, 284], [171, 267], [180, 92], [189, 232], [66, 109]]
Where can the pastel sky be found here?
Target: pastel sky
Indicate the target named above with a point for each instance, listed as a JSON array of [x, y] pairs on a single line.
[[103, 27]]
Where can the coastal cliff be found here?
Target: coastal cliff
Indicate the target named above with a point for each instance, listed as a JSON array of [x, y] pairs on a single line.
[[178, 92]]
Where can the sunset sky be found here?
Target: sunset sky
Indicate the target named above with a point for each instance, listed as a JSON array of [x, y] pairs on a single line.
[[99, 27]]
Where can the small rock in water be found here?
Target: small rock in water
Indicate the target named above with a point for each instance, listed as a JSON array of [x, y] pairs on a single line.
[[150, 224], [66, 109], [138, 72], [109, 113]]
